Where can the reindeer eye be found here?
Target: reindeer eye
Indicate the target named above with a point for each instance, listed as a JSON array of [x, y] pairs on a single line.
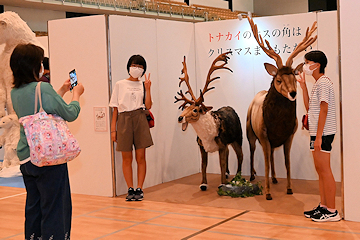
[[278, 81], [195, 110]]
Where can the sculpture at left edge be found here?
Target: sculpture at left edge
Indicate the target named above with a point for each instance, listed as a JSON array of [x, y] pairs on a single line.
[[9, 140], [13, 31]]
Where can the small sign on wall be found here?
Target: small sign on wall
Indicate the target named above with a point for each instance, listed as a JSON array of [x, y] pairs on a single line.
[[100, 119]]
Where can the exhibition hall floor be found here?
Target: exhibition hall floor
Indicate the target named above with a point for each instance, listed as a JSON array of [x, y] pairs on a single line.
[[179, 210]]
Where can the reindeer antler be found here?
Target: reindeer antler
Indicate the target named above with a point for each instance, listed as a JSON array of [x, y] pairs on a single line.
[[186, 80], [222, 57], [199, 101], [307, 41], [269, 51]]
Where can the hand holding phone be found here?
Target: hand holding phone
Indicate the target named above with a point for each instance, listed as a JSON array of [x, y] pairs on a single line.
[[73, 79]]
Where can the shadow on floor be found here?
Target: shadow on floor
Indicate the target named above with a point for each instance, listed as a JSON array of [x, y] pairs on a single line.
[[186, 191]]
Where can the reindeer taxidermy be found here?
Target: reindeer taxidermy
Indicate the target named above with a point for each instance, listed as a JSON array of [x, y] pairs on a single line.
[[271, 116], [215, 129]]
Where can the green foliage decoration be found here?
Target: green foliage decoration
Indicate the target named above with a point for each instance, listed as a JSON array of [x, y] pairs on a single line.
[[239, 187]]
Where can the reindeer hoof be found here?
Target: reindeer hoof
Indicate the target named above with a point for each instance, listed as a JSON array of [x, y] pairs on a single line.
[[252, 177], [289, 191], [268, 196], [274, 180], [227, 175], [203, 187], [221, 185]]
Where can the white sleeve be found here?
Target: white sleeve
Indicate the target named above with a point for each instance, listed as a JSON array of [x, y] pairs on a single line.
[[114, 97]]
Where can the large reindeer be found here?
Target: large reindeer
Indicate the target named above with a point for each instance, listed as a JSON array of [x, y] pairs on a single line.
[[215, 129], [271, 117]]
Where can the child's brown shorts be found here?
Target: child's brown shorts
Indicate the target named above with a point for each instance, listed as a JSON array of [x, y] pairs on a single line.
[[133, 129]]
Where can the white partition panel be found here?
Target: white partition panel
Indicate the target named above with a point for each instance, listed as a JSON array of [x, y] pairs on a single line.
[[80, 43], [249, 76], [232, 89], [329, 44], [129, 36], [44, 41], [178, 150], [350, 58]]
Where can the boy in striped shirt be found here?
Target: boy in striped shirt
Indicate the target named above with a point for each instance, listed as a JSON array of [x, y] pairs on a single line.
[[322, 126]]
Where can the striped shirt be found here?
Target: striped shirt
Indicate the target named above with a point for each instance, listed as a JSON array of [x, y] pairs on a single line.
[[322, 91]]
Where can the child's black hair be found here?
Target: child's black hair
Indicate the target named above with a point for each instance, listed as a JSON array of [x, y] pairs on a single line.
[[317, 57], [136, 59]]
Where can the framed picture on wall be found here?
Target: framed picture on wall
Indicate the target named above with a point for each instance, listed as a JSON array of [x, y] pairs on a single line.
[[100, 119]]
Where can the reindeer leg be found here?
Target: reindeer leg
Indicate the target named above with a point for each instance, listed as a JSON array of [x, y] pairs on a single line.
[[204, 162], [273, 174], [252, 143], [267, 153], [287, 147], [223, 158], [239, 153], [227, 173]]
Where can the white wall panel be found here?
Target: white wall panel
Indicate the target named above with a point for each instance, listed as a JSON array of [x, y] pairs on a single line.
[[129, 36], [80, 43], [250, 77], [329, 44], [179, 150], [232, 89], [243, 5], [44, 41], [279, 7], [349, 39]]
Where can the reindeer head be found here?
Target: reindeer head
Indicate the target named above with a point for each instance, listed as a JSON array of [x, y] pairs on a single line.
[[284, 79], [196, 106]]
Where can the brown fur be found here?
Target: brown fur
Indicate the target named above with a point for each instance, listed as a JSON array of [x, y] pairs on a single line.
[[216, 129], [271, 119], [228, 128], [272, 115]]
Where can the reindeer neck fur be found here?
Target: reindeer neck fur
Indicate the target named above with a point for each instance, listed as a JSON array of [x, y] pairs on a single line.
[[207, 129], [279, 117]]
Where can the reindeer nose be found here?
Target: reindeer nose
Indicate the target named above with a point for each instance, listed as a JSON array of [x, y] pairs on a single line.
[[293, 94], [180, 119]]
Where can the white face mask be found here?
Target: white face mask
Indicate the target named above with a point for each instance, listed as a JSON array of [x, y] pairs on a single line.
[[136, 72], [306, 69], [41, 71]]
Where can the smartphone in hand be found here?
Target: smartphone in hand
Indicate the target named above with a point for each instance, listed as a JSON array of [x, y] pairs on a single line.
[[73, 79]]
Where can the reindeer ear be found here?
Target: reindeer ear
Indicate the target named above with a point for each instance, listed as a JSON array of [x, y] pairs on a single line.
[[208, 108], [3, 23], [299, 69], [271, 69]]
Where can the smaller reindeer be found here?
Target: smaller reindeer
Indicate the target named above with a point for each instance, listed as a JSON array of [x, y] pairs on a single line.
[[271, 117], [215, 129]]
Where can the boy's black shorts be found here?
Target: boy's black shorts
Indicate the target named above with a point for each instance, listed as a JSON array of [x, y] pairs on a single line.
[[326, 143]]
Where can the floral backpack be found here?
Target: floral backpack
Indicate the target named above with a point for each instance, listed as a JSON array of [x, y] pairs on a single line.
[[49, 138]]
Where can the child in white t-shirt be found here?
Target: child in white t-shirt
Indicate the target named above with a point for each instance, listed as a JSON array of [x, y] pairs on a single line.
[[322, 126], [129, 126]]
